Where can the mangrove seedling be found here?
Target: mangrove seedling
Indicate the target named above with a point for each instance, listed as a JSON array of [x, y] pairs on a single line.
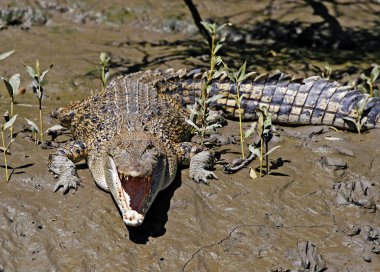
[[12, 85], [238, 77], [5, 148], [200, 109], [38, 90], [264, 130], [104, 60]]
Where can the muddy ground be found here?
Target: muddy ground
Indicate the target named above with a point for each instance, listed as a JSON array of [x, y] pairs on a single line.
[[318, 210]]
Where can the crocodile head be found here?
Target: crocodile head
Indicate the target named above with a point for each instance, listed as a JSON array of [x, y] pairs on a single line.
[[135, 170]]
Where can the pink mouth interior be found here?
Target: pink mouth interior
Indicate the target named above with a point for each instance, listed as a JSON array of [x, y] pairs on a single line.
[[137, 188]]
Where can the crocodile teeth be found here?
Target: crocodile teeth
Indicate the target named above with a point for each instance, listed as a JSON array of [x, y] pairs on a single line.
[[137, 188]]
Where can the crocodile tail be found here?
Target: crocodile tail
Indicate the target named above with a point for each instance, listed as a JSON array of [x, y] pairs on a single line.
[[297, 101], [290, 100]]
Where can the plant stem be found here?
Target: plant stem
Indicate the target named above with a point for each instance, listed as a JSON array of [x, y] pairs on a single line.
[[240, 120], [204, 87], [41, 129], [266, 157], [203, 117], [261, 155], [11, 128], [5, 156], [103, 78], [370, 89]]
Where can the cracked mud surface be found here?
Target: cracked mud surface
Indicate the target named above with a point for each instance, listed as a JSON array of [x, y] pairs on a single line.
[[318, 210]]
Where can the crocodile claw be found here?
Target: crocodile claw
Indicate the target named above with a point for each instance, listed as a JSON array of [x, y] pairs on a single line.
[[199, 165], [65, 170], [67, 182]]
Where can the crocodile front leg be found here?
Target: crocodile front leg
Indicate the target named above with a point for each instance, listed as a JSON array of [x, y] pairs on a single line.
[[200, 159], [61, 163]]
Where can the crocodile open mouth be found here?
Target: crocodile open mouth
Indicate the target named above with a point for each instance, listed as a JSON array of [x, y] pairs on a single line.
[[137, 188]]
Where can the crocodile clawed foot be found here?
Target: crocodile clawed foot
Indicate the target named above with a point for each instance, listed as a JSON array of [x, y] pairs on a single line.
[[67, 182], [199, 166], [65, 170], [201, 175]]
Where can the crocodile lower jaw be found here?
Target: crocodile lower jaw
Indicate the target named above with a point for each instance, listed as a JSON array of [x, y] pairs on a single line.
[[130, 216]]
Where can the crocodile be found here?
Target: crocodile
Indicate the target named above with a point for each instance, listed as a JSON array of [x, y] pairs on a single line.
[[134, 135]]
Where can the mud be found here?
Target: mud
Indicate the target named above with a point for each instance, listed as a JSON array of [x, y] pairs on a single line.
[[318, 210]]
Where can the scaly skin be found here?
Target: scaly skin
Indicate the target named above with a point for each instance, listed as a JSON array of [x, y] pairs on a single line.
[[134, 135], [292, 101], [132, 138]]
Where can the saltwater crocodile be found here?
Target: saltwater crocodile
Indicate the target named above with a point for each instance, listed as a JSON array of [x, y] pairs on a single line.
[[134, 135]]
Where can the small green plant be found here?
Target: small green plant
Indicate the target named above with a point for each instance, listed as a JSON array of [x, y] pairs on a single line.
[[369, 82], [201, 108], [264, 126], [104, 60], [6, 147], [38, 90], [12, 86], [360, 120], [238, 77]]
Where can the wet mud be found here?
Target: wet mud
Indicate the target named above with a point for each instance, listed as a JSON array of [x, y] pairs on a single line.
[[316, 211]]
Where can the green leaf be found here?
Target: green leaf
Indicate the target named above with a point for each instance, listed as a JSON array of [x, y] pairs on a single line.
[[217, 47], [10, 122], [250, 131], [255, 151], [32, 125], [218, 60], [241, 72], [14, 81], [30, 71], [208, 89], [38, 69], [241, 98], [209, 27], [103, 58], [363, 121], [362, 104], [44, 73], [6, 54], [374, 73], [223, 26], [267, 122], [8, 86], [106, 76], [272, 149], [216, 74], [192, 124]]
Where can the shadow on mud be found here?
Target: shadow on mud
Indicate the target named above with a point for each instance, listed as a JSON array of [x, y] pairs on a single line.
[[157, 216], [268, 45]]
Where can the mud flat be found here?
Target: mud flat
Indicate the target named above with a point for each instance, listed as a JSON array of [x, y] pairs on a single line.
[[317, 211]]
